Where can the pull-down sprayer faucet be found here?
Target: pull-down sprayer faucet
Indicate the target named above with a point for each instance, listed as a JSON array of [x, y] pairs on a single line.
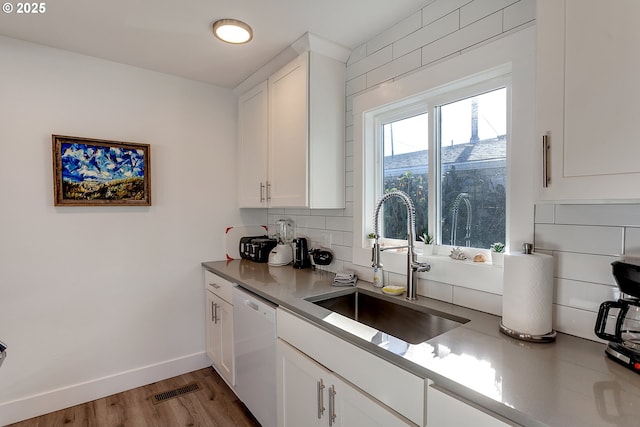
[[413, 266]]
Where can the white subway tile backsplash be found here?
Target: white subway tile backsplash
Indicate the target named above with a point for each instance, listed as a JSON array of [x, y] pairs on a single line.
[[545, 213], [578, 238], [468, 36], [632, 241], [341, 252], [478, 300], [519, 13], [438, 29], [348, 178], [357, 84], [584, 267], [367, 64], [438, 9], [326, 212], [583, 295], [357, 54], [311, 221], [477, 10], [402, 65], [574, 321], [620, 214], [339, 223], [436, 290], [348, 164], [398, 31]]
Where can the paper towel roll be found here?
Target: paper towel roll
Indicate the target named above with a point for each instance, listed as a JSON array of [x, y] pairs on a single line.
[[527, 298]]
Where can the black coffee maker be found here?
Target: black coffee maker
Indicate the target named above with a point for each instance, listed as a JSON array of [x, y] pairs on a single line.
[[301, 253], [619, 321]]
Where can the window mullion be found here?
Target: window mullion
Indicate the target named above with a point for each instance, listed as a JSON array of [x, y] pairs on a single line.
[[435, 172]]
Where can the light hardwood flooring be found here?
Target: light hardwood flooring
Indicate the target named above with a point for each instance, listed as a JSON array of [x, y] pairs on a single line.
[[214, 405]]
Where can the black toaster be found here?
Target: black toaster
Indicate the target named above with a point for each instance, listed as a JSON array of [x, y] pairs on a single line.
[[256, 248]]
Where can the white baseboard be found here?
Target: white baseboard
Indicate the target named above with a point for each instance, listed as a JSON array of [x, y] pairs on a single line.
[[65, 397]]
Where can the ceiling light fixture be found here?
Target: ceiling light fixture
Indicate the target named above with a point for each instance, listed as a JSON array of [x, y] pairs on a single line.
[[232, 31]]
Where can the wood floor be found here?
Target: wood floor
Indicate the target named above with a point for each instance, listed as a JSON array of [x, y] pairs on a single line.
[[214, 405]]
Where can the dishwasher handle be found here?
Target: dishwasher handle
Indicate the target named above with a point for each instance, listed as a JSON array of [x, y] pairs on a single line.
[[251, 304]]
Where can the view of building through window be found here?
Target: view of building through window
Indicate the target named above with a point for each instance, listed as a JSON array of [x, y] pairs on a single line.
[[472, 161]]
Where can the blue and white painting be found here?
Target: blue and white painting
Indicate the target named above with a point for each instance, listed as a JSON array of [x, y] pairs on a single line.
[[102, 172]]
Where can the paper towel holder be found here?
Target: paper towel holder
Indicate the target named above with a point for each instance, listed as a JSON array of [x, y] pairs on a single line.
[[544, 338]]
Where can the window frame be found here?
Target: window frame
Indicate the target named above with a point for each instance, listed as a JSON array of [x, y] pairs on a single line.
[[430, 104], [513, 55]]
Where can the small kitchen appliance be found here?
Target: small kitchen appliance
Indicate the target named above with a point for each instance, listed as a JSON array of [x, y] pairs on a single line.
[[301, 253], [256, 248], [282, 254], [619, 321]]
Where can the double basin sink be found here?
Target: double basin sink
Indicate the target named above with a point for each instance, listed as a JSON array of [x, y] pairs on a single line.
[[409, 322]]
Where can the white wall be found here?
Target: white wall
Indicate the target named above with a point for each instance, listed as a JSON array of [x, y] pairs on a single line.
[[95, 300]]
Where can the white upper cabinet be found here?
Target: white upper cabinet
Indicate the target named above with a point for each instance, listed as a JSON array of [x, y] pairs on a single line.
[[298, 152], [253, 135], [587, 98]]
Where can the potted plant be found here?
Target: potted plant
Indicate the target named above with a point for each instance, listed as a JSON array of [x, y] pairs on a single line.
[[427, 243], [497, 253], [371, 237]]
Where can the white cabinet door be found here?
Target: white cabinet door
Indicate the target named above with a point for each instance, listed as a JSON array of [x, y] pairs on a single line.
[[288, 157], [291, 137], [311, 395], [219, 336], [212, 329], [443, 410], [253, 134], [587, 94], [225, 366], [301, 387]]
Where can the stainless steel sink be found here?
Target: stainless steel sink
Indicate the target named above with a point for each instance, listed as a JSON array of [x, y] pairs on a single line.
[[411, 323]]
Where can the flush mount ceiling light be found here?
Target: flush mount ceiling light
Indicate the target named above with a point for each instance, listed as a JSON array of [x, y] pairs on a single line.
[[232, 31]]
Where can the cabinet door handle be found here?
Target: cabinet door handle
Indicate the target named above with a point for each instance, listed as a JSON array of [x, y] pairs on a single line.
[[268, 191], [261, 192], [332, 405], [546, 176], [320, 399], [214, 312]]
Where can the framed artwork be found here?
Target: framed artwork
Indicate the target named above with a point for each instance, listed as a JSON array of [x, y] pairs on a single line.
[[95, 172]]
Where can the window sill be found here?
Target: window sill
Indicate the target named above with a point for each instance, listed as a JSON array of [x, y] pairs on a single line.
[[482, 276]]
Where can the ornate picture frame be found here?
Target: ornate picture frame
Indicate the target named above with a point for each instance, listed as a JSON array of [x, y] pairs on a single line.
[[96, 172]]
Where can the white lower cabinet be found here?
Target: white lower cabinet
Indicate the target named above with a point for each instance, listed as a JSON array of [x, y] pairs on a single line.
[[444, 410], [311, 395], [219, 326]]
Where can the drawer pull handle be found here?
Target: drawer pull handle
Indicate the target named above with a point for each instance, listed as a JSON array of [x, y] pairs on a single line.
[[214, 285]]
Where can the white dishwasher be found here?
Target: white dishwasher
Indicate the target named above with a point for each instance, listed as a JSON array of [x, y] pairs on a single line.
[[254, 332]]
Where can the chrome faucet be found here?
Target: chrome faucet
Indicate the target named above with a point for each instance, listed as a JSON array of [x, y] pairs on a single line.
[[413, 266]]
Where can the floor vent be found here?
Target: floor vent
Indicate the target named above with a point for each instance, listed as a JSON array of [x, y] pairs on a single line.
[[166, 395]]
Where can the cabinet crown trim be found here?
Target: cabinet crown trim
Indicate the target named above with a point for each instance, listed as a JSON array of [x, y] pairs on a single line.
[[311, 42]]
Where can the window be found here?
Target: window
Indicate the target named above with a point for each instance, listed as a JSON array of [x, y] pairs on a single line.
[[466, 131]]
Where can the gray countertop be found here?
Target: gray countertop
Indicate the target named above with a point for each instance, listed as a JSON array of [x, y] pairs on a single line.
[[566, 383]]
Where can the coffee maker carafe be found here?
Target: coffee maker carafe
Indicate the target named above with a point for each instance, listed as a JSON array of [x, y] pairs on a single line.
[[301, 253], [619, 321]]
